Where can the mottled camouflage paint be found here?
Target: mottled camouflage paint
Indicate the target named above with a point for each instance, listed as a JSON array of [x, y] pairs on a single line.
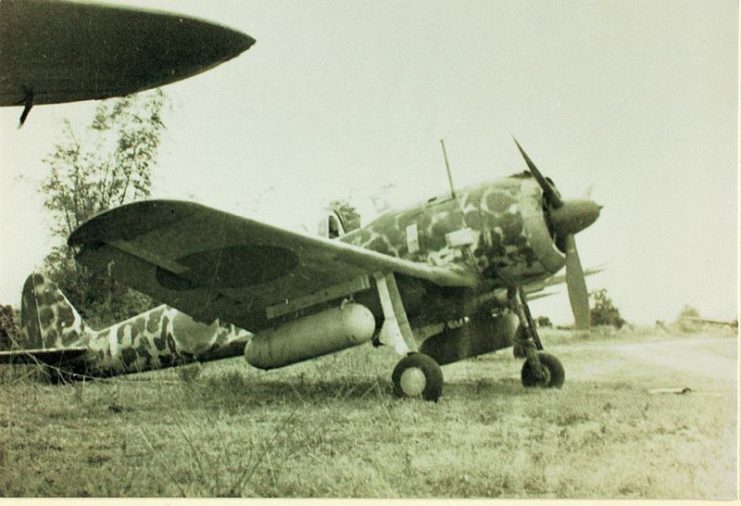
[[512, 239], [161, 337], [48, 320]]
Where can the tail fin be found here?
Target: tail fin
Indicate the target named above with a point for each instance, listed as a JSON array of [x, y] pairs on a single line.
[[48, 320]]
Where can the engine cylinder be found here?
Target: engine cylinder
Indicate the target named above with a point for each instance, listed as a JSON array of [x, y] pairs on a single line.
[[312, 336]]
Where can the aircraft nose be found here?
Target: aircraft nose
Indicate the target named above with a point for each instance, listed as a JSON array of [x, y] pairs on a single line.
[[574, 216]]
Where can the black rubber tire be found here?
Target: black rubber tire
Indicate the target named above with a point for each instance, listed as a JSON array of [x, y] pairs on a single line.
[[556, 373], [433, 375]]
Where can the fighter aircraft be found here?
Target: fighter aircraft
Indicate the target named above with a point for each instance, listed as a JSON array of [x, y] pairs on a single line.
[[54, 51], [54, 335], [439, 282]]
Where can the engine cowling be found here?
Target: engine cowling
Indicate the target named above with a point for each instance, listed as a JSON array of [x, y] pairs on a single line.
[[311, 336], [517, 243]]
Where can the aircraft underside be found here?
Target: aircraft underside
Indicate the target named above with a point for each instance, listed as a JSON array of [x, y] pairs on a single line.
[[426, 337], [443, 326]]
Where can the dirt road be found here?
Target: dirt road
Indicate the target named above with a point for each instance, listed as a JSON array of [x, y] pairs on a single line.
[[696, 362]]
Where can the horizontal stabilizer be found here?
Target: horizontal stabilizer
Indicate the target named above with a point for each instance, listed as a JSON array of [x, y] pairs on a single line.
[[48, 356]]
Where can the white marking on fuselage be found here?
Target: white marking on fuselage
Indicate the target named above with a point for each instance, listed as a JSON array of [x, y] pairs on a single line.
[[113, 341]]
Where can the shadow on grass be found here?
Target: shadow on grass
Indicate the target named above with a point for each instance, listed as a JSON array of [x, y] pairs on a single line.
[[248, 390], [272, 391]]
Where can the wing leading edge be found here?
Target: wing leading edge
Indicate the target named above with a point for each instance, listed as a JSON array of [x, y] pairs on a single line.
[[212, 264]]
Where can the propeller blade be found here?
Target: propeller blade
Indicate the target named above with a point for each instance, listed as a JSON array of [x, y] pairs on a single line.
[[551, 195], [588, 192], [577, 285]]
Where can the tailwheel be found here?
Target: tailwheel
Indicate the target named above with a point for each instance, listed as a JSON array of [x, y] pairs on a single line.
[[418, 375], [551, 374]]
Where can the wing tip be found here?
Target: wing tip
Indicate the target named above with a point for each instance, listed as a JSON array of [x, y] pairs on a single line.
[[130, 220]]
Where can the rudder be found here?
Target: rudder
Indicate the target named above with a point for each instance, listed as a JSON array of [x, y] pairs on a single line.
[[48, 320]]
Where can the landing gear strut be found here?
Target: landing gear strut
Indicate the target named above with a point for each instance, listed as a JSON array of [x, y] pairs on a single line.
[[417, 374], [540, 369]]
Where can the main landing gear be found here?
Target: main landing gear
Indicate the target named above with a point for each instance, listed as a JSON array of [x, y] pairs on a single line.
[[418, 375], [551, 375], [540, 369]]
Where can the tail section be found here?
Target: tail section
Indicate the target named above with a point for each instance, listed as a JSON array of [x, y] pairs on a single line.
[[48, 320], [54, 334]]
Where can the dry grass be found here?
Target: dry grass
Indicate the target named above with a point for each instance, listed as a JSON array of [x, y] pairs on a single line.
[[330, 428]]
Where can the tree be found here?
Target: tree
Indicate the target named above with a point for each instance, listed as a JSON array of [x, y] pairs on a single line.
[[689, 319], [604, 311], [348, 214], [8, 327], [543, 322], [107, 165], [688, 312]]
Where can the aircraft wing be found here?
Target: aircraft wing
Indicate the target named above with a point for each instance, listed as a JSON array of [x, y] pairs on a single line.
[[212, 264], [47, 356], [58, 51]]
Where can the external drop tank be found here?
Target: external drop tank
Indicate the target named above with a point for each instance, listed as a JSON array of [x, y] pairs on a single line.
[[319, 334]]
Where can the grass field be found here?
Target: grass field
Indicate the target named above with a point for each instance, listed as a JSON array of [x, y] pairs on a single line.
[[331, 428]]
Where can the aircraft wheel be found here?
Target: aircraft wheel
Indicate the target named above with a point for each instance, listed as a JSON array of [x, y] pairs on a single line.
[[554, 373], [418, 375]]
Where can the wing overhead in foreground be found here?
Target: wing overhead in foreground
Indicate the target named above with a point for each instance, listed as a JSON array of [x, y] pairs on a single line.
[[55, 51], [46, 356], [212, 264]]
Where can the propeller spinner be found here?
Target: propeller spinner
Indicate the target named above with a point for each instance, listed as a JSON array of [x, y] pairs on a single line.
[[567, 218]]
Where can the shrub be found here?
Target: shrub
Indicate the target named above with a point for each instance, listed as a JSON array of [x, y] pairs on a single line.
[[604, 311]]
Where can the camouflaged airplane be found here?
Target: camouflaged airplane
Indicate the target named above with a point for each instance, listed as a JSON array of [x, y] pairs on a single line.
[[53, 51], [439, 282], [55, 336]]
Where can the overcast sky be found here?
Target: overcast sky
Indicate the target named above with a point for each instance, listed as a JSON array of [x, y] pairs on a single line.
[[340, 98]]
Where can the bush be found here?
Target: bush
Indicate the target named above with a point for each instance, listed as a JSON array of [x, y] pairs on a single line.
[[604, 311], [689, 319], [543, 322]]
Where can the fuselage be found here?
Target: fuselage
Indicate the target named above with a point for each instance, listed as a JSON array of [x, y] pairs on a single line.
[[159, 338], [498, 230]]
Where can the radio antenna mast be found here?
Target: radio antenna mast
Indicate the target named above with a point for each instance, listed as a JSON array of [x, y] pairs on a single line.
[[447, 166]]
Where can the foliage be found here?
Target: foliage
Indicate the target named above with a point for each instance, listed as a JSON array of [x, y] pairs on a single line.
[[688, 312], [107, 165], [604, 311], [688, 319], [9, 326], [111, 165], [543, 322], [348, 214]]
